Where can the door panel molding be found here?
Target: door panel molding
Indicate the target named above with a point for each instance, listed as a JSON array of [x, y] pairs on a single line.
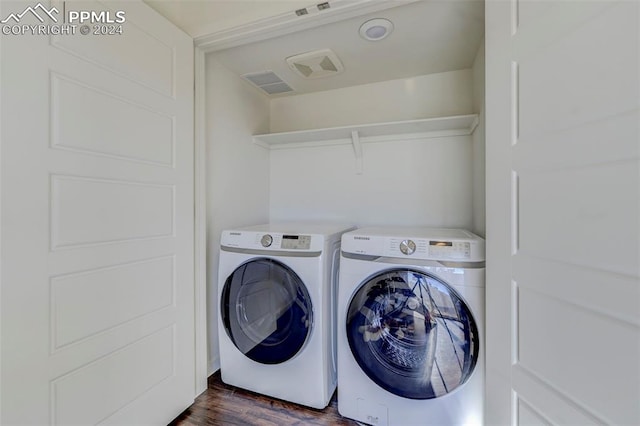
[[563, 284], [98, 296]]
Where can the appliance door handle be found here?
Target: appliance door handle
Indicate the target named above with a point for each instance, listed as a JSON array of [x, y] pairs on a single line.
[[334, 304]]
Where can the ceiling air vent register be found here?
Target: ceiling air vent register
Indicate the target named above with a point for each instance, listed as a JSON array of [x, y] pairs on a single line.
[[316, 64], [268, 81]]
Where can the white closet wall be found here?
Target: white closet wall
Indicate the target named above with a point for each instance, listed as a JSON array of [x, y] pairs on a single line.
[[478, 139], [237, 170], [416, 182], [432, 95]]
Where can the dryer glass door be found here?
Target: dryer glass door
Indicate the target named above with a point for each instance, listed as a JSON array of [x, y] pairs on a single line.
[[266, 311], [412, 334]]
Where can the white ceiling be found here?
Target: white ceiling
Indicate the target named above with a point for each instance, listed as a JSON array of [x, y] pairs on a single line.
[[430, 36], [203, 17]]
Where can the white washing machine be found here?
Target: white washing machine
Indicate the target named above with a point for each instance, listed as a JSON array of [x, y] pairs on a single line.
[[276, 292], [410, 327]]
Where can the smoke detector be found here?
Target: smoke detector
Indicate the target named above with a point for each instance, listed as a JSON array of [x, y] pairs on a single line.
[[316, 64], [376, 29]]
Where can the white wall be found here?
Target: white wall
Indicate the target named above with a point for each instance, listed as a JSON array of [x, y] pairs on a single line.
[[237, 170], [433, 95], [413, 182], [417, 182], [478, 138]]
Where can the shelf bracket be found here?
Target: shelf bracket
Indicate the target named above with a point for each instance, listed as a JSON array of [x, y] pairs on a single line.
[[357, 149]]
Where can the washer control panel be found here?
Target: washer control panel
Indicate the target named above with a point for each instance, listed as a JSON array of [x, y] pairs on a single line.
[[450, 249], [407, 247], [266, 240], [428, 249], [461, 246], [401, 247]]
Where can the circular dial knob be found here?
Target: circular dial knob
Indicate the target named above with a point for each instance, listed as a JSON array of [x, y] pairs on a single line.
[[266, 240], [407, 247]]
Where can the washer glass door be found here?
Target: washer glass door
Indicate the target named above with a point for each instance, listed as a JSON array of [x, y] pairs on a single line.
[[266, 311], [412, 334]]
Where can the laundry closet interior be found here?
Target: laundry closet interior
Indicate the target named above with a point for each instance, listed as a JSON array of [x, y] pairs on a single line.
[[395, 139], [398, 135]]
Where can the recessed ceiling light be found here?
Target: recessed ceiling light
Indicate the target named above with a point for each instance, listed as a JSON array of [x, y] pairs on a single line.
[[376, 29]]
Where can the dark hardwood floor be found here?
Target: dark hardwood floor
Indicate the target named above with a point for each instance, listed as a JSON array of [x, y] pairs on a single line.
[[222, 404]]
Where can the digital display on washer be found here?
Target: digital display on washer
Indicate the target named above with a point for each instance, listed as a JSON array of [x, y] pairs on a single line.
[[296, 242], [450, 249], [441, 243]]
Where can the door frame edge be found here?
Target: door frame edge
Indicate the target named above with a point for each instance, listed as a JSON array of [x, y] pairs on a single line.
[[200, 225]]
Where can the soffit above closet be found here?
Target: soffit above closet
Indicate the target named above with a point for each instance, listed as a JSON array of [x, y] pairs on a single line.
[[429, 36], [203, 17]]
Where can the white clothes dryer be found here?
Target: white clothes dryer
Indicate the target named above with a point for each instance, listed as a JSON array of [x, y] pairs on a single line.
[[276, 293], [410, 327]]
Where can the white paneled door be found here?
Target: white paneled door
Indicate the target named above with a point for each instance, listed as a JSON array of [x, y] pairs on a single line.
[[97, 291], [563, 212]]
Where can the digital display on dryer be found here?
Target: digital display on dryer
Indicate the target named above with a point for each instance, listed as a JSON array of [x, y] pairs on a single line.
[[296, 242]]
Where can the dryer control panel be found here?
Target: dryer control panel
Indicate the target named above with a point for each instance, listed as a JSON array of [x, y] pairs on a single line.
[[296, 242], [272, 241]]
